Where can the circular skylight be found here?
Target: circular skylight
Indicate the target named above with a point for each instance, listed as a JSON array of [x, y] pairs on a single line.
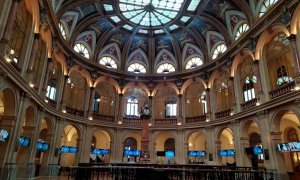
[[150, 13]]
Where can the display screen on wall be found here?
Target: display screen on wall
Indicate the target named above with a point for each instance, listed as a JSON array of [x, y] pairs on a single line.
[[196, 153], [228, 152], [200, 153], [283, 147], [68, 149], [42, 146], [127, 153], [257, 150], [192, 153], [136, 153], [100, 151], [73, 150], [24, 141], [96, 151], [223, 153], [169, 154], [3, 135], [294, 146]]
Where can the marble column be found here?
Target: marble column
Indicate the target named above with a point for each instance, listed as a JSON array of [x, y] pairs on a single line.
[[34, 48], [46, 77], [295, 54], [91, 100], [121, 108], [237, 143], [246, 161], [10, 21], [179, 109], [260, 96]]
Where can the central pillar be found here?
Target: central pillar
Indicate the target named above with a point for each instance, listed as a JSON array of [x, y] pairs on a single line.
[[145, 116]]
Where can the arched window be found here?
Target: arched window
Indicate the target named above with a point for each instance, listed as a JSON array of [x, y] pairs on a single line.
[[165, 68], [169, 144], [51, 89], [279, 61], [82, 50], [248, 89], [130, 143], [265, 6], [221, 48], [137, 68], [194, 62], [171, 108], [62, 30], [248, 80], [132, 106], [223, 92], [242, 28], [108, 62], [195, 100], [19, 30]]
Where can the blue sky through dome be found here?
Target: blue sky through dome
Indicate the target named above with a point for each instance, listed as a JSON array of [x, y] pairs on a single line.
[[150, 12]]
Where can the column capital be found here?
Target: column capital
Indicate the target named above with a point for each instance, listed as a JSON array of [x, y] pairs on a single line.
[[292, 37], [256, 61], [231, 78], [92, 88], [150, 97], [121, 95], [207, 89], [36, 36], [180, 95], [49, 60], [66, 77]]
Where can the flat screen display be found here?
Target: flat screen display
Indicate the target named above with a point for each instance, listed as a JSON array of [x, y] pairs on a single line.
[[64, 149], [294, 146], [3, 135], [230, 152], [201, 153], [192, 153], [257, 150], [160, 153], [223, 152], [24, 141], [96, 151], [127, 153], [104, 151], [283, 147], [45, 147], [170, 154], [73, 149], [136, 153], [39, 145]]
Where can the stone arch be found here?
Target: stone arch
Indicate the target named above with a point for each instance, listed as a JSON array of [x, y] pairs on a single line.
[[138, 56], [165, 56], [238, 58], [190, 81], [165, 84], [267, 36], [136, 84], [84, 73], [112, 50], [109, 80], [9, 100], [190, 51], [275, 118]]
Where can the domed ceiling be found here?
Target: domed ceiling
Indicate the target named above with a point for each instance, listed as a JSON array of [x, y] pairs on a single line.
[[161, 36]]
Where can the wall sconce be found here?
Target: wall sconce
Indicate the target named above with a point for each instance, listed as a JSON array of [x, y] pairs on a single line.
[[90, 118], [119, 122], [232, 113], [179, 123]]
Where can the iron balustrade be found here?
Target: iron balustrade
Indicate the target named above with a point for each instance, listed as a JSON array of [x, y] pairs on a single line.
[[222, 113], [165, 172], [165, 121], [249, 104], [74, 111], [51, 102], [102, 117], [282, 90], [196, 119]]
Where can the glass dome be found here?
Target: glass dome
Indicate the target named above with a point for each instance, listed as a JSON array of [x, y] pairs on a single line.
[[150, 13]]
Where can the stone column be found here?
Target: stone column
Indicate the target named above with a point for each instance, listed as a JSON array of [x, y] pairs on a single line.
[[207, 98], [46, 78], [10, 21], [278, 157], [121, 108], [86, 104], [210, 146], [117, 152], [260, 96], [237, 143], [295, 54], [63, 90], [86, 144], [91, 100], [151, 120], [33, 53], [246, 161], [217, 157], [180, 147], [179, 109], [234, 101]]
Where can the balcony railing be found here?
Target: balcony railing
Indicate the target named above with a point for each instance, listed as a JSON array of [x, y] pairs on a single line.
[[249, 104], [155, 172], [196, 119], [102, 117], [222, 113], [51, 102], [16, 66], [74, 111], [282, 90], [165, 121], [132, 120]]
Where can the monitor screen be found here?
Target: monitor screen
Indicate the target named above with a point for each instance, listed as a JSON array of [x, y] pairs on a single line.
[[294, 146], [230, 152], [170, 154], [200, 153], [136, 153], [257, 150], [127, 152], [160, 153], [64, 149], [283, 147], [24, 141], [96, 151], [192, 153], [39, 145], [104, 151], [45, 147], [3, 135], [223, 153], [73, 149]]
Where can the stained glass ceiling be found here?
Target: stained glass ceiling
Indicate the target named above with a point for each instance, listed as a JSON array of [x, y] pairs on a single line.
[[150, 13]]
